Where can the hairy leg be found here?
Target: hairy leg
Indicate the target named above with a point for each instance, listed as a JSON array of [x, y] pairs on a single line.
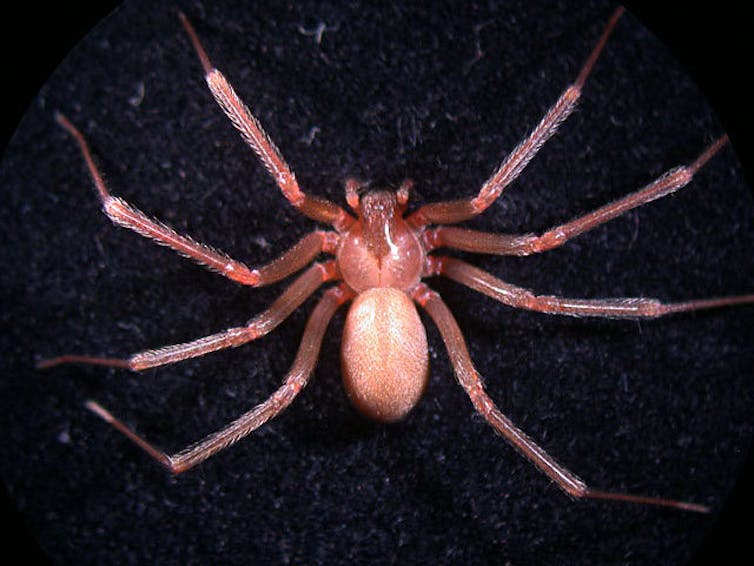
[[127, 216], [526, 244], [470, 380], [519, 297], [295, 381], [254, 135], [300, 290], [457, 211]]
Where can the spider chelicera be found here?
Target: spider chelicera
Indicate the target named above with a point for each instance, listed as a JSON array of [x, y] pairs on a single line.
[[381, 256]]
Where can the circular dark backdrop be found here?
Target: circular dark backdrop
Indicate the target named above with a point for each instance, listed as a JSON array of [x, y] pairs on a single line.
[[439, 95]]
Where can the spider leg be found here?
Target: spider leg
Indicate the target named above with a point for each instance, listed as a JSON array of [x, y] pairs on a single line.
[[299, 256], [472, 384], [457, 211], [127, 216], [297, 378], [526, 244], [262, 324], [521, 298], [254, 135]]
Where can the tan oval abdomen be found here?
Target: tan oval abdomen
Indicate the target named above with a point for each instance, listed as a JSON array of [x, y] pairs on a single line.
[[384, 354]]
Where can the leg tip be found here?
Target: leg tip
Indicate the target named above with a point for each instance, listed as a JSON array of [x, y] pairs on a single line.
[[99, 410], [45, 364], [62, 120]]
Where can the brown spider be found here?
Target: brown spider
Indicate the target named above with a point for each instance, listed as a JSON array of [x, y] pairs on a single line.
[[380, 259]]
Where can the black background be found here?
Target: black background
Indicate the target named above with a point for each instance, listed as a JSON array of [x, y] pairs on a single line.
[[659, 407]]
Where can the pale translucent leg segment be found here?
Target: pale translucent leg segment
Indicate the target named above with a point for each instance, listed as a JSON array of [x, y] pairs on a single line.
[[526, 244], [295, 381], [519, 297], [457, 211], [254, 135], [300, 290], [470, 380]]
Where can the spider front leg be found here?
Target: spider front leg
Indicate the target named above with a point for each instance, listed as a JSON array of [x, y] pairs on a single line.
[[460, 210], [519, 297], [295, 381], [127, 216], [472, 384], [526, 244], [254, 135], [292, 298]]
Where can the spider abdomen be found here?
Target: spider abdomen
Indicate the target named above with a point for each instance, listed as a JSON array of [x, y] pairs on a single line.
[[384, 354]]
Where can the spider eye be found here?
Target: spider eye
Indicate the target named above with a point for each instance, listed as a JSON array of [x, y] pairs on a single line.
[[378, 202]]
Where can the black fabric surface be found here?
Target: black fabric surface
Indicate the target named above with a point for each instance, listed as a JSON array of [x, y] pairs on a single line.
[[438, 95]]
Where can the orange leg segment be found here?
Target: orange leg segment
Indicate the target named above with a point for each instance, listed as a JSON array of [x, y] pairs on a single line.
[[457, 211], [254, 135], [470, 380], [292, 298], [294, 382]]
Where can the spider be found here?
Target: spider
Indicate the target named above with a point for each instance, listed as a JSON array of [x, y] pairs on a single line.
[[382, 252]]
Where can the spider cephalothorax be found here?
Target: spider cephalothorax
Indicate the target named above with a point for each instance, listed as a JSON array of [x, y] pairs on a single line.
[[380, 249]]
